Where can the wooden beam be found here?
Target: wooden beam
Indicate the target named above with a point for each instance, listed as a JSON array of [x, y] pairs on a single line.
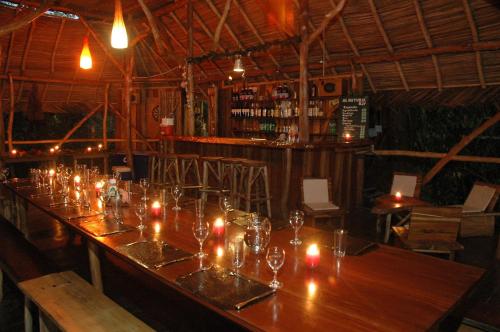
[[326, 21], [475, 39], [436, 155], [127, 90], [220, 25], [105, 118], [53, 80], [303, 80], [9, 52], [2, 122], [79, 124], [56, 44], [428, 41], [103, 46], [189, 120], [20, 22], [153, 25], [354, 48], [11, 112], [387, 42], [27, 47], [460, 145]]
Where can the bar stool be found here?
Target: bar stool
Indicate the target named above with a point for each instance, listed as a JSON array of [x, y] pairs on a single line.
[[212, 176], [155, 168], [254, 175], [190, 170], [163, 169], [232, 169]]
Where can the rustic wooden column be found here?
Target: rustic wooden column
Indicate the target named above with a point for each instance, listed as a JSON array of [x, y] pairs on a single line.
[[213, 110], [2, 123], [189, 120], [303, 84], [11, 112], [105, 118], [127, 89]]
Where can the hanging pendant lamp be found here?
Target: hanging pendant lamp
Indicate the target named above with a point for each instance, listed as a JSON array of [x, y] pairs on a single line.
[[85, 56], [238, 65], [119, 38]]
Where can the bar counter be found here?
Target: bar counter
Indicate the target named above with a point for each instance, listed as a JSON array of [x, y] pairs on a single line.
[[343, 162]]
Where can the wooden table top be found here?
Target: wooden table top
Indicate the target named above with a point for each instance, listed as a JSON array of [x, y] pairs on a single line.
[[386, 289], [389, 204]]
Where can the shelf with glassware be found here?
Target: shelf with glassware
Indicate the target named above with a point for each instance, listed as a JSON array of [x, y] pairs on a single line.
[[271, 118]]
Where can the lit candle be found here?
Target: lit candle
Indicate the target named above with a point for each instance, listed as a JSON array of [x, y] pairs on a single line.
[[51, 172], [56, 147], [52, 150], [219, 251], [218, 227], [157, 230], [89, 149], [13, 152], [77, 180], [347, 136], [156, 209], [312, 256], [312, 288], [99, 147], [398, 196], [98, 187]]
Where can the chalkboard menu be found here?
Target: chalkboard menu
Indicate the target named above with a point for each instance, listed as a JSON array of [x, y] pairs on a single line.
[[353, 118]]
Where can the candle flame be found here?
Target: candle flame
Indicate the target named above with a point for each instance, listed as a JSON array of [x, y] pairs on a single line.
[[157, 228], [218, 223], [56, 147], [85, 56], [156, 205], [52, 150], [219, 251], [89, 149], [398, 195], [51, 172], [312, 287], [14, 151], [313, 250], [77, 178]]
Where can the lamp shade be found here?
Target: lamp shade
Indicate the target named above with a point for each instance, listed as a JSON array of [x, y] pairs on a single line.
[[238, 65], [119, 38], [85, 56]]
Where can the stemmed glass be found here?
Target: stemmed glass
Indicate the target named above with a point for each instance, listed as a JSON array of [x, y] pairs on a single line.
[[144, 184], [226, 207], [275, 259], [140, 211], [176, 194], [296, 220], [200, 231]]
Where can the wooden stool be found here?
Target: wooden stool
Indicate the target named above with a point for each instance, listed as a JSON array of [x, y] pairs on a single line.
[[212, 176], [164, 169], [190, 168], [69, 303], [232, 169], [255, 171]]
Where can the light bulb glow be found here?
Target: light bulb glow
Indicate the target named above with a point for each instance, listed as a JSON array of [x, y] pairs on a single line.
[[238, 65], [85, 56], [119, 38]]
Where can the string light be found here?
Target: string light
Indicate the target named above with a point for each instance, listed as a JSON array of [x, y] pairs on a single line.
[[119, 38], [85, 56]]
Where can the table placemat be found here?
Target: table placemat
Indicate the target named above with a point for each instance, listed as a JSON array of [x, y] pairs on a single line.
[[153, 254], [104, 227], [224, 288]]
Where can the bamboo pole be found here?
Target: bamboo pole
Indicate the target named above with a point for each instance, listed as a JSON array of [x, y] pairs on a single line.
[[11, 112], [56, 44], [303, 80], [326, 21], [220, 25], [460, 145], [79, 124], [127, 87], [436, 155], [153, 25], [22, 21], [105, 118]]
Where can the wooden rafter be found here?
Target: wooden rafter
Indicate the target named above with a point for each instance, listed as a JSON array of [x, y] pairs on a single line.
[[256, 32], [79, 124], [9, 52], [152, 23], [335, 12], [475, 39], [428, 41], [387, 42], [27, 47], [56, 44], [155, 55], [460, 146], [103, 46], [354, 48], [222, 21], [20, 22], [141, 59]]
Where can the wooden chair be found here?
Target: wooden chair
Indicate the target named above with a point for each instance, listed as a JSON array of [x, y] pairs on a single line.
[[409, 185], [317, 200], [478, 215], [432, 230]]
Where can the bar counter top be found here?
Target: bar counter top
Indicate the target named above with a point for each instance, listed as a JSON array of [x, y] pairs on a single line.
[[272, 143]]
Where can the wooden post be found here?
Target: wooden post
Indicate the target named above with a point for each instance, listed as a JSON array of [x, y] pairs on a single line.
[[127, 89], [105, 118], [11, 112], [303, 84], [190, 76], [213, 110], [2, 123]]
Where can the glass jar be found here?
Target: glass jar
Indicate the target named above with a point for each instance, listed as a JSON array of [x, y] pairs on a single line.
[[257, 233]]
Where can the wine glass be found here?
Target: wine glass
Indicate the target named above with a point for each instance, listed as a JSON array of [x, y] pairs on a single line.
[[237, 253], [226, 207], [275, 259], [296, 220], [144, 184], [140, 211], [176, 194], [200, 231]]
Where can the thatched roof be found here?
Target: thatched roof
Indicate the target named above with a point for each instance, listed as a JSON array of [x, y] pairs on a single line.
[[396, 44]]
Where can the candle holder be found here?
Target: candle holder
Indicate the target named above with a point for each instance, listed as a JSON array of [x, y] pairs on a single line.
[[218, 227], [312, 256]]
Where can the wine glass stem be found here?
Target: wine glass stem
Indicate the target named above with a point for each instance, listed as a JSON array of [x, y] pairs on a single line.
[[201, 248], [275, 279], [296, 234]]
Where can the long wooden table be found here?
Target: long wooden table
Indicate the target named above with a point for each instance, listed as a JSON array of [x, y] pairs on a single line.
[[387, 289]]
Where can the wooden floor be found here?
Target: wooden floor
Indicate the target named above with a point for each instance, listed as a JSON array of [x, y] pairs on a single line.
[[70, 253]]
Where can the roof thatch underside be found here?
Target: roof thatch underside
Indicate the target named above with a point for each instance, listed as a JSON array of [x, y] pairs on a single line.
[[454, 44]]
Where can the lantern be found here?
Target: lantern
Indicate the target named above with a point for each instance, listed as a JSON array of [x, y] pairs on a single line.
[[85, 56], [119, 37]]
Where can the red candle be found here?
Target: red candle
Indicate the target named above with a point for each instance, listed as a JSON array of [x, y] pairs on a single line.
[[398, 196], [347, 137], [13, 152], [312, 256], [89, 149], [156, 209], [218, 227], [98, 187]]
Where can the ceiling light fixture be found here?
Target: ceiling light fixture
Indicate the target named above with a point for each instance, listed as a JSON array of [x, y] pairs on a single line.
[[238, 65], [119, 38], [85, 56]]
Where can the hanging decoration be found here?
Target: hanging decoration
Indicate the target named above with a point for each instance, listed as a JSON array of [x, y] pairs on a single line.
[[238, 65], [119, 38], [85, 56]]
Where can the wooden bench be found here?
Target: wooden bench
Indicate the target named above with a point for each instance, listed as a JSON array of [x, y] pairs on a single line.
[[69, 303]]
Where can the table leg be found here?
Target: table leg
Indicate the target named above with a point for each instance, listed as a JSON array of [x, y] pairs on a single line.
[[95, 265], [387, 227]]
